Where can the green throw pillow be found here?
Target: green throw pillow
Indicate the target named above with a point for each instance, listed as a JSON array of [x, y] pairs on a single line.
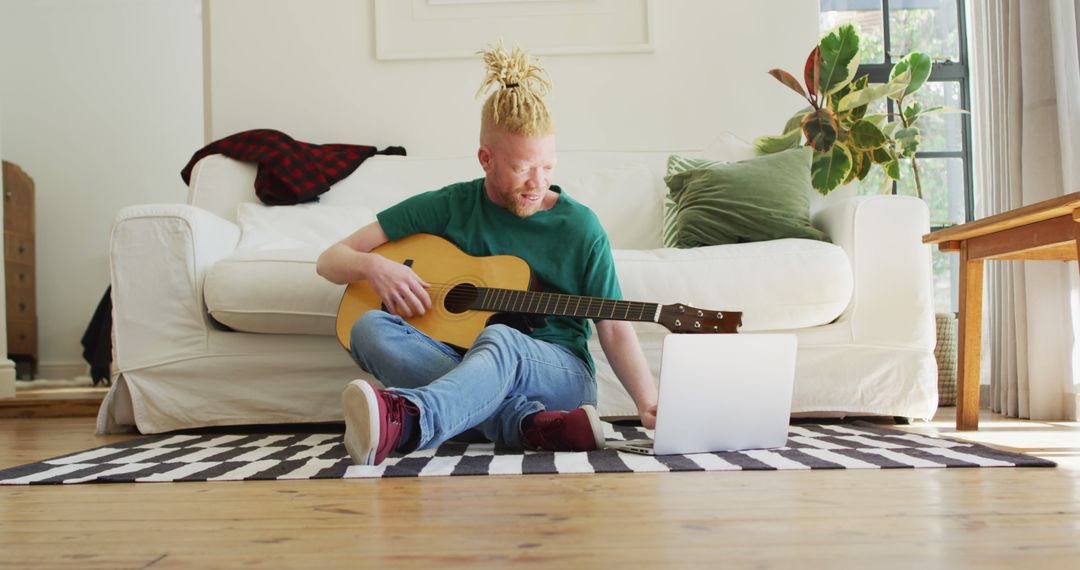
[[759, 199], [675, 165]]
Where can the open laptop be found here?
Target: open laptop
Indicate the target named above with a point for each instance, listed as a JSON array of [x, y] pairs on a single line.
[[721, 392]]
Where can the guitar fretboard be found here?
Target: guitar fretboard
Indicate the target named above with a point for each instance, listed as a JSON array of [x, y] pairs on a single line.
[[559, 305]]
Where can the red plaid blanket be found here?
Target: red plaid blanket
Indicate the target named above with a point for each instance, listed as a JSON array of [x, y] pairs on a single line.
[[290, 171]]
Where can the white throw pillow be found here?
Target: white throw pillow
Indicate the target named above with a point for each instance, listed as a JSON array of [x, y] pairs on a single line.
[[627, 200], [313, 224], [729, 148]]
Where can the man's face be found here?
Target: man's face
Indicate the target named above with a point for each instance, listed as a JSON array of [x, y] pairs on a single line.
[[518, 171]]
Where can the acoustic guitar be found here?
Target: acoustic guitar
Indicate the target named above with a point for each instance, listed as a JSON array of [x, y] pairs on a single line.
[[467, 292]]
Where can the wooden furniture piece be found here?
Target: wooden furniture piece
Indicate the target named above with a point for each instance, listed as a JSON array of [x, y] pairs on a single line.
[[52, 402], [1048, 230], [22, 345]]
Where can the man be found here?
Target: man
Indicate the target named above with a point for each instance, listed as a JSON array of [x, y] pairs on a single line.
[[534, 390]]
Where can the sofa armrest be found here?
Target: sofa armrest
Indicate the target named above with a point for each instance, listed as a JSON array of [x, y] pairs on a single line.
[[159, 255], [892, 302]]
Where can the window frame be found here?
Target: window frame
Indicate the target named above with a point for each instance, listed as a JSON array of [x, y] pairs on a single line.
[[941, 72]]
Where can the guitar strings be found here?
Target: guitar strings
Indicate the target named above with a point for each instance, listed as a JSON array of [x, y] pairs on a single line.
[[451, 292]]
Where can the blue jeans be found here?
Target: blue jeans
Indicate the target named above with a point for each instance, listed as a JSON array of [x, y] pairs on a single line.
[[503, 378]]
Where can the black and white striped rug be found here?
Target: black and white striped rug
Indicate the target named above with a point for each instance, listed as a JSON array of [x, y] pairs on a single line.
[[261, 456]]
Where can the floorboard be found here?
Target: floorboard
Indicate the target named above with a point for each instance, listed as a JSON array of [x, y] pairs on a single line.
[[989, 518]]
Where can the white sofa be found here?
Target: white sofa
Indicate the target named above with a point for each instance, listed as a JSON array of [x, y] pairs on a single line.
[[220, 318]]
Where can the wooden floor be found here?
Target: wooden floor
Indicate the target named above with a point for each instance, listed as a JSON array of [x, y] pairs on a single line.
[[932, 518]]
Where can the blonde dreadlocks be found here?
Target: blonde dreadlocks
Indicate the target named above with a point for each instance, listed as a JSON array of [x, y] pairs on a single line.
[[516, 106]]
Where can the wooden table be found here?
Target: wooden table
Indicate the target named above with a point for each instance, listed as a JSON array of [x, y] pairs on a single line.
[[1048, 230]]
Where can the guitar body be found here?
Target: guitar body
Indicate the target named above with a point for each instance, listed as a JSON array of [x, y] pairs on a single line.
[[444, 266]]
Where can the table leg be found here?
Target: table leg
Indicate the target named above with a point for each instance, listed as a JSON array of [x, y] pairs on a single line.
[[970, 341]]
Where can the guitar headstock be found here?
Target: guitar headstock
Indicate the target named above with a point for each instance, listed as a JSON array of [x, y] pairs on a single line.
[[679, 318]]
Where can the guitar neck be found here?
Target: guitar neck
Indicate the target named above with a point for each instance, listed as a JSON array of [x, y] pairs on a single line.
[[559, 305]]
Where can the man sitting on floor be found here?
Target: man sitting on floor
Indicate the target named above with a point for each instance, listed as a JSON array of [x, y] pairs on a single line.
[[534, 390]]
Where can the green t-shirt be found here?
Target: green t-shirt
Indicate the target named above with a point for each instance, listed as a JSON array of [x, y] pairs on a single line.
[[565, 246]]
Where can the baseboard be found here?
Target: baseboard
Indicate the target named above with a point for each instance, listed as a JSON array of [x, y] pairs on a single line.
[[7, 379], [60, 370]]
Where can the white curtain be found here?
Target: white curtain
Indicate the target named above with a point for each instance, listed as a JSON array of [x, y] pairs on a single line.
[[1026, 118]]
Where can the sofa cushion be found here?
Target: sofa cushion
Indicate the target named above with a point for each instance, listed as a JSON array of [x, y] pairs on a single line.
[[313, 225], [781, 284], [272, 291]]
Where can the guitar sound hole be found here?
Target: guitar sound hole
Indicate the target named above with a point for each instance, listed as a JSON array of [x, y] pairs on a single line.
[[460, 298]]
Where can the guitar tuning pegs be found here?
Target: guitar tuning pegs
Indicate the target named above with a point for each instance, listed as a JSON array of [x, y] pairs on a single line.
[[700, 313], [720, 315]]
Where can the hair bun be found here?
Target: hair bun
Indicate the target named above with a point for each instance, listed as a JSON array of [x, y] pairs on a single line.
[[517, 83]]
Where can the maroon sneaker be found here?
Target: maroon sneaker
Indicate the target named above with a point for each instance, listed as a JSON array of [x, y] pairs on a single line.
[[374, 420], [579, 430]]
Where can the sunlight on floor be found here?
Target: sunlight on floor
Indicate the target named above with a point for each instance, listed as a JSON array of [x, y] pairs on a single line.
[[1057, 441]]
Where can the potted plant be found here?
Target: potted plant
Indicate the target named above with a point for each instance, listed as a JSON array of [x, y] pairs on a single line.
[[848, 142]]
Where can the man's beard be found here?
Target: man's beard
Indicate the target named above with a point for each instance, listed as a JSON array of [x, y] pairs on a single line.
[[524, 208]]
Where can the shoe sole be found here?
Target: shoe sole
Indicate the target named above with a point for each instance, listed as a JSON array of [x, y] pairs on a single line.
[[596, 425], [361, 421]]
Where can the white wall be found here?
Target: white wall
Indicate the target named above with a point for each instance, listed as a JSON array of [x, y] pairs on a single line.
[[103, 102], [102, 108], [308, 68]]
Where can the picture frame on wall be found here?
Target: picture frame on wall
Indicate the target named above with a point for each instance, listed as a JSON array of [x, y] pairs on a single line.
[[438, 29]]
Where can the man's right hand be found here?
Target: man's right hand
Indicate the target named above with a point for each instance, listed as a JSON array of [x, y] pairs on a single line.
[[402, 291]]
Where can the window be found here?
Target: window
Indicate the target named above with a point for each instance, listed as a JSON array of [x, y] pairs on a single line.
[[888, 30]]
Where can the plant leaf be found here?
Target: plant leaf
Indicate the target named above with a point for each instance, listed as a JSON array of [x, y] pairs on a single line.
[[919, 65], [773, 144], [839, 49], [866, 162], [882, 155], [796, 120], [861, 83], [866, 136], [898, 84], [877, 119], [811, 71], [853, 68], [829, 169], [789, 80], [868, 95], [909, 139], [856, 164], [820, 129], [892, 169], [911, 113]]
